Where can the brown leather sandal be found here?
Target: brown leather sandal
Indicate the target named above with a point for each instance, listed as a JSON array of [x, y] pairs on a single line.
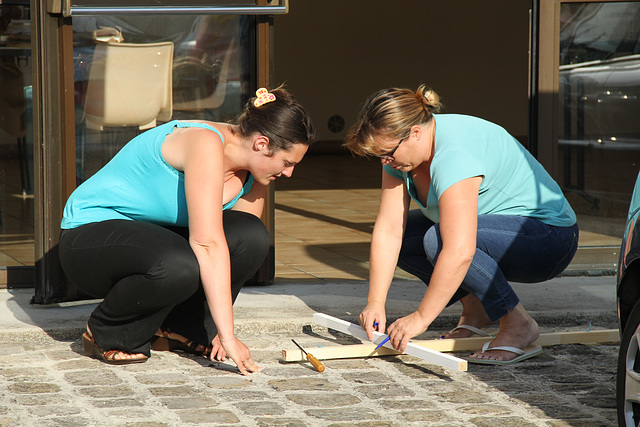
[[94, 350], [164, 343]]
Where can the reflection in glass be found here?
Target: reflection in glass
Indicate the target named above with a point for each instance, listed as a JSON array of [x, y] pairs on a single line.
[[16, 138], [211, 74], [599, 141]]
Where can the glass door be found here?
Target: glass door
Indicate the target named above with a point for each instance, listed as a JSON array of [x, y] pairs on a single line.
[[16, 145], [599, 97], [586, 109]]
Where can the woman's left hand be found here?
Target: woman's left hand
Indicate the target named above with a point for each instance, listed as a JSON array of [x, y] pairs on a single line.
[[239, 353], [217, 351], [405, 328]]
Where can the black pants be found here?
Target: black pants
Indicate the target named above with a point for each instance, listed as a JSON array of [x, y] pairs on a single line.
[[149, 277]]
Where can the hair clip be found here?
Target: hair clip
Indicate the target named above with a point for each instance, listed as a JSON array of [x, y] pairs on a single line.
[[263, 97]]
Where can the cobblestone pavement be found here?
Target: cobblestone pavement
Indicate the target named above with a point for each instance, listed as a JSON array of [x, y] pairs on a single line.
[[50, 382]]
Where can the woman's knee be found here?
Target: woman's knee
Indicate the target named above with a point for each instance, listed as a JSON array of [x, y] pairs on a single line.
[[246, 235], [177, 269], [432, 243]]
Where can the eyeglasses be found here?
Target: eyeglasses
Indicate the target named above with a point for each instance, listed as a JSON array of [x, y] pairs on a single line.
[[389, 156]]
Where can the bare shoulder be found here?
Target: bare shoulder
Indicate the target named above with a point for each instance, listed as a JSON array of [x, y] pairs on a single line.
[[188, 142]]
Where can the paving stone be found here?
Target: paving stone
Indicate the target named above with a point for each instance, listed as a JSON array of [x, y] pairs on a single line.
[[50, 410], [243, 395], [328, 400], [40, 399], [599, 401], [75, 364], [574, 388], [561, 412], [63, 354], [343, 414], [130, 414], [260, 408], [426, 416], [502, 422], [540, 398], [484, 409], [188, 402], [174, 391], [33, 388], [577, 423], [69, 421], [96, 378], [160, 378], [374, 377], [8, 421], [226, 382], [319, 384], [291, 370], [103, 392], [8, 350], [349, 364], [384, 390], [146, 424], [364, 424], [280, 422], [422, 371], [406, 404], [115, 403], [208, 416], [24, 374], [516, 386], [464, 396]]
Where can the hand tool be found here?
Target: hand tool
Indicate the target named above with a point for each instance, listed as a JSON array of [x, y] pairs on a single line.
[[315, 362], [375, 325], [380, 345]]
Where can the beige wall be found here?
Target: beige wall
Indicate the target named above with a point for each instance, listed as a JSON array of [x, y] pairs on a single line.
[[332, 54]]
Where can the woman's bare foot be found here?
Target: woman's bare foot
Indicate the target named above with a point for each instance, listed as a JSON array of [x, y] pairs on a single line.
[[473, 314], [517, 329]]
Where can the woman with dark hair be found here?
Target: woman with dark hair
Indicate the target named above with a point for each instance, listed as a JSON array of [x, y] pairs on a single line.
[[168, 231], [489, 213]]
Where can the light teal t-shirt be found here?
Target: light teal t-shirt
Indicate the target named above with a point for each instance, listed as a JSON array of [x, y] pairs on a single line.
[[513, 183], [137, 184]]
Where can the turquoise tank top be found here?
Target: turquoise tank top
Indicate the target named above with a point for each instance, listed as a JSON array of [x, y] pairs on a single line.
[[137, 184], [513, 181]]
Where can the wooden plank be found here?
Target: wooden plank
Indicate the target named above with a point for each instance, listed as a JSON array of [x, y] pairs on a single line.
[[605, 336], [431, 356]]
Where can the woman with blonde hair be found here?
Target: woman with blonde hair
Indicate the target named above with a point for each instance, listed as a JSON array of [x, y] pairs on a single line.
[[488, 213]]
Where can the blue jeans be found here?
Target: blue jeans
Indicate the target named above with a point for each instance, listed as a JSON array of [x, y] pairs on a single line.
[[508, 248]]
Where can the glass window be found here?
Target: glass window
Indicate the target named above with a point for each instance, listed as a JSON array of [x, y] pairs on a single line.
[[134, 72], [16, 137], [599, 93]]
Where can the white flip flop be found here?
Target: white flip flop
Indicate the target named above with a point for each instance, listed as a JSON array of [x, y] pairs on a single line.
[[523, 354], [470, 328]]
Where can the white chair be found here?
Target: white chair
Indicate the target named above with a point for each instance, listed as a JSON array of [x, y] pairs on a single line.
[[216, 99], [130, 85]]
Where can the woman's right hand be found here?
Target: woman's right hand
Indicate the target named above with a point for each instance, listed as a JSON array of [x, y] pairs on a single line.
[[373, 313], [239, 353]]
